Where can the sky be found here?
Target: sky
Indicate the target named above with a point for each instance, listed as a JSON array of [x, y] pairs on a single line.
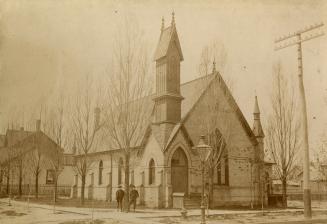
[[47, 46]]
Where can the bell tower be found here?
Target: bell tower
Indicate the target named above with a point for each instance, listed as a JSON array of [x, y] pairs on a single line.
[[168, 57], [168, 99]]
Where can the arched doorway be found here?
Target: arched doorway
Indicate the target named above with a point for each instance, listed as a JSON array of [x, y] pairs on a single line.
[[179, 171]]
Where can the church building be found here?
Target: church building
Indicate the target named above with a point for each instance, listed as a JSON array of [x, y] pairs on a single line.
[[166, 165]]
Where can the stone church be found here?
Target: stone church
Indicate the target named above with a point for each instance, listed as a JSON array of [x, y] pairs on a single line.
[[165, 164]]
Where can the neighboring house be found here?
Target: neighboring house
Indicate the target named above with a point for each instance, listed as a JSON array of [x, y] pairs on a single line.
[[293, 180], [291, 187], [165, 161], [318, 178], [318, 181], [21, 152]]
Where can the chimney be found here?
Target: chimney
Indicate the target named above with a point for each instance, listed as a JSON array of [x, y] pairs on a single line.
[[97, 117], [38, 125]]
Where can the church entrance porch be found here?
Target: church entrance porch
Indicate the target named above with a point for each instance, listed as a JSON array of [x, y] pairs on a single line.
[[179, 172]]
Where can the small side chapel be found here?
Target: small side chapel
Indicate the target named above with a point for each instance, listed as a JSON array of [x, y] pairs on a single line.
[[167, 163]]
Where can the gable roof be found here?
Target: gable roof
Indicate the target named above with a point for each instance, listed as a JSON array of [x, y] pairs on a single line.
[[167, 37], [13, 136], [191, 98], [20, 142], [104, 143], [210, 79]]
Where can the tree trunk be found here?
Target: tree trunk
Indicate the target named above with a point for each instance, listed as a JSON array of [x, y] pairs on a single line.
[[284, 192], [210, 196], [127, 156], [55, 188], [20, 181], [8, 179], [37, 186], [83, 188]]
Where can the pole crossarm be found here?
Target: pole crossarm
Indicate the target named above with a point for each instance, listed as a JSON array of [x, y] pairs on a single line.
[[299, 32], [306, 38]]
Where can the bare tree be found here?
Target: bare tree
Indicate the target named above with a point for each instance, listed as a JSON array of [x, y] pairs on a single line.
[[53, 126], [14, 162], [35, 163], [215, 53], [217, 120], [127, 114], [282, 139], [85, 129]]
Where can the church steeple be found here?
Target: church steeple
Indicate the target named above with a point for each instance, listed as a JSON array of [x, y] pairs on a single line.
[[257, 128], [168, 57], [168, 99]]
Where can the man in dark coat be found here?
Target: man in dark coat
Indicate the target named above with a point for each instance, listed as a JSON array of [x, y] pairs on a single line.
[[119, 197], [133, 195]]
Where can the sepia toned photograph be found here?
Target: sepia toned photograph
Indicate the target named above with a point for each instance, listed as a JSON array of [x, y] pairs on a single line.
[[163, 112]]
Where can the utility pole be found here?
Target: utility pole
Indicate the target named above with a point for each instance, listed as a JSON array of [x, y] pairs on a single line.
[[297, 38]]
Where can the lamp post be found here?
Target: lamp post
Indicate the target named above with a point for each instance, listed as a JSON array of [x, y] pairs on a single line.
[[203, 150]]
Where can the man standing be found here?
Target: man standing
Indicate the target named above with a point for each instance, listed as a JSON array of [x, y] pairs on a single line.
[[119, 197], [133, 196]]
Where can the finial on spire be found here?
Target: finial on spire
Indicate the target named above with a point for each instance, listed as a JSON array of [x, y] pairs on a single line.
[[214, 65], [173, 18], [162, 24]]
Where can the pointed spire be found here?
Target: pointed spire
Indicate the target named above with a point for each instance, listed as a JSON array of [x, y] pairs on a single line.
[[256, 106], [162, 24], [173, 18], [257, 127], [214, 66]]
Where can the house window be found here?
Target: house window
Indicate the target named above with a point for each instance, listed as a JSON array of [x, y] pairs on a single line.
[[50, 177], [152, 174], [100, 172], [76, 180], [92, 178], [120, 167]]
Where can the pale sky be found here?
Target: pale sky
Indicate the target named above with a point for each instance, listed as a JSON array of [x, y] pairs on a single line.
[[46, 44]]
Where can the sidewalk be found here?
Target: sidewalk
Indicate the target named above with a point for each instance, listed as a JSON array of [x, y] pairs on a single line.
[[154, 215]]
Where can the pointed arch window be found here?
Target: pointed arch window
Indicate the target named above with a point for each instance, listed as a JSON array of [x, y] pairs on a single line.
[[217, 142], [100, 171], [152, 172]]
